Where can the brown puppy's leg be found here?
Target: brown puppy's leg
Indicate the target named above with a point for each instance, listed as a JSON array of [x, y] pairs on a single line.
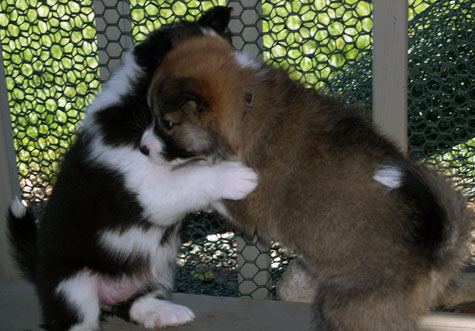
[[342, 306]]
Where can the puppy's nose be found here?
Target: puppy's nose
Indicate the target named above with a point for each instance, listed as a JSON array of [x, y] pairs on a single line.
[[144, 150]]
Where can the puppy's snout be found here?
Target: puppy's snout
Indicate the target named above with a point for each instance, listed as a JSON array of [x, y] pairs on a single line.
[[144, 150], [151, 145]]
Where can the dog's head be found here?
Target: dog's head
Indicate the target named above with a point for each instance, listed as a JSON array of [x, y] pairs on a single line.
[[201, 94], [156, 141], [150, 51]]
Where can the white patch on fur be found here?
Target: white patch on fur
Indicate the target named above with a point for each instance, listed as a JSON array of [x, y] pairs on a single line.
[[167, 194], [119, 84], [17, 208], [149, 180], [154, 145], [134, 241], [83, 327], [194, 187], [155, 313], [245, 61], [389, 176], [81, 292], [208, 32]]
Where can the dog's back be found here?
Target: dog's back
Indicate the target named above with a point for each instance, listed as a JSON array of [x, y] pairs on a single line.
[[382, 234]]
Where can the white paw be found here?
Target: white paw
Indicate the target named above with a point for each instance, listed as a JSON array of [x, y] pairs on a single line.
[[155, 313], [234, 181], [82, 327]]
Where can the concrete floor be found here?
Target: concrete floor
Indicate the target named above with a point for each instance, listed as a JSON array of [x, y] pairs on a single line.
[[19, 312]]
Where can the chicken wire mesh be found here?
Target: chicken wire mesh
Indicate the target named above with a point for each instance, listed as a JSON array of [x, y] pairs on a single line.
[[441, 114], [50, 60], [56, 53], [441, 89]]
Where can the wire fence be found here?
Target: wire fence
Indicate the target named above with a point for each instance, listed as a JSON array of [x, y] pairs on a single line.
[[56, 53]]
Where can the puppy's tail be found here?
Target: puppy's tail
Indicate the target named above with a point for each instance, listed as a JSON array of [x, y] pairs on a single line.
[[452, 251], [442, 221], [22, 235]]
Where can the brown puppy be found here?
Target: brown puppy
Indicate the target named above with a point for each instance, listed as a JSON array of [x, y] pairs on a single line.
[[381, 235]]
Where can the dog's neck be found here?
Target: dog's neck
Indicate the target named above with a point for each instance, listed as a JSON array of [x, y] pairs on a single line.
[[276, 99], [260, 115]]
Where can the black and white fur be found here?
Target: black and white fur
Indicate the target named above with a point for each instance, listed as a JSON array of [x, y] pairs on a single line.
[[109, 234]]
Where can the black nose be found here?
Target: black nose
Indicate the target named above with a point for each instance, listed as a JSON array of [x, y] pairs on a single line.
[[144, 150]]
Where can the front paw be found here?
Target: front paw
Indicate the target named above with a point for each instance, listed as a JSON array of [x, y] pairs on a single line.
[[235, 181], [155, 313]]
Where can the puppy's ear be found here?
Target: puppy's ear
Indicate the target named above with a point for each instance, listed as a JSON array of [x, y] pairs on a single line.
[[216, 18], [150, 52], [174, 93]]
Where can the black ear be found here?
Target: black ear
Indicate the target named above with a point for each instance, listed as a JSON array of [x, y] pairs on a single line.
[[150, 52], [173, 93], [216, 18]]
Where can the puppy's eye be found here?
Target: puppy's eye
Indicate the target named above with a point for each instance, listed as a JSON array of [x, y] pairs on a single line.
[[167, 124]]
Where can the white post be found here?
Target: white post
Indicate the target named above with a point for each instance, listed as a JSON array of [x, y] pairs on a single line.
[[9, 183], [390, 31], [254, 276], [113, 32]]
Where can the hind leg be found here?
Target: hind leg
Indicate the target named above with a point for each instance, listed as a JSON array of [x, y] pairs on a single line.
[[72, 304], [152, 312], [340, 307]]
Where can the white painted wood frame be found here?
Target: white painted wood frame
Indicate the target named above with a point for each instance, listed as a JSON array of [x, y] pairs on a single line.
[[390, 48], [9, 182]]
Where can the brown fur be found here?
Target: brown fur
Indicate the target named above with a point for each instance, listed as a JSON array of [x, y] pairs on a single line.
[[378, 257]]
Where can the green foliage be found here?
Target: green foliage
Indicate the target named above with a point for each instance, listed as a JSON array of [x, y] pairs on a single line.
[[316, 39], [207, 260], [149, 15], [441, 121], [50, 61], [459, 162]]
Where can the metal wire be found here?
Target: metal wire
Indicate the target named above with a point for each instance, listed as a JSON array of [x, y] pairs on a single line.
[[57, 52]]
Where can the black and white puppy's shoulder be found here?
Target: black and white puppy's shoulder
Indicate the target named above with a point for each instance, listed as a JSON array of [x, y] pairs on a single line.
[[109, 234]]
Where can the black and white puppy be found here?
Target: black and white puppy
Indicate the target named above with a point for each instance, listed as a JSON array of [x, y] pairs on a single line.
[[108, 237]]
